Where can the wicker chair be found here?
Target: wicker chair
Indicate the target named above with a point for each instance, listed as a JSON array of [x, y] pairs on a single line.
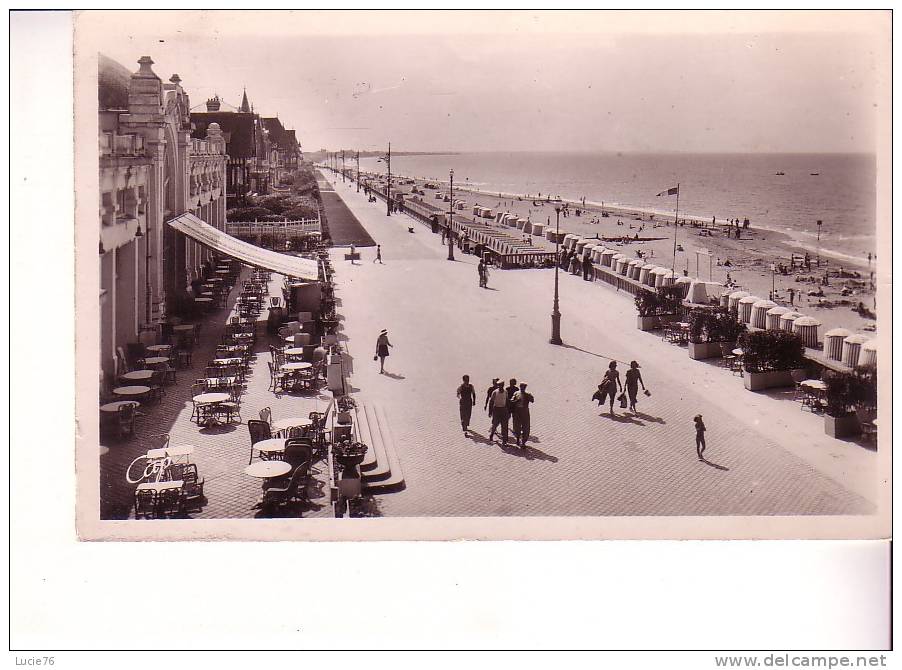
[[259, 431]]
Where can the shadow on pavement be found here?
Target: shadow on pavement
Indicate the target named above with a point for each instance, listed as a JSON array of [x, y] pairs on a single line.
[[715, 465], [591, 353], [651, 419], [476, 437], [393, 375], [621, 418], [529, 453]]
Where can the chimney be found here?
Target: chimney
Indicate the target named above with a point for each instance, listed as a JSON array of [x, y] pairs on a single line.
[[213, 104]]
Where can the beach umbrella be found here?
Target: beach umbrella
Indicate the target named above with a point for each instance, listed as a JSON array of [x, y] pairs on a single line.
[[772, 321], [759, 313], [851, 349], [867, 358], [806, 328], [745, 308], [735, 297]]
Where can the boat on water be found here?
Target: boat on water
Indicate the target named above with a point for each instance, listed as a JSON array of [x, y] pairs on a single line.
[[814, 174], [780, 174]]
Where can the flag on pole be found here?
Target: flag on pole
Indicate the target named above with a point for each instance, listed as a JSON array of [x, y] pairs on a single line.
[[671, 191]]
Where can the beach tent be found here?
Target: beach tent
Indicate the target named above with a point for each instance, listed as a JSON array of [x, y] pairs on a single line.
[[700, 290], [635, 266], [654, 277], [607, 257], [806, 328], [773, 317], [581, 245], [570, 241], [833, 342], [489, 213], [498, 217], [645, 273], [521, 223], [735, 297], [759, 313], [788, 319], [597, 249], [745, 308], [851, 347], [615, 262], [684, 283], [476, 209], [538, 229], [668, 278], [867, 358]]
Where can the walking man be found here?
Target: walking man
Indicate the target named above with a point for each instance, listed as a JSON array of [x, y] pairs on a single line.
[[488, 396], [587, 267], [520, 409], [699, 437], [500, 414], [480, 268], [466, 396], [378, 254]]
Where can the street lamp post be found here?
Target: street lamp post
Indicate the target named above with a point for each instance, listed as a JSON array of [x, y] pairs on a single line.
[[342, 166], [450, 217], [358, 171], [556, 312], [388, 187]]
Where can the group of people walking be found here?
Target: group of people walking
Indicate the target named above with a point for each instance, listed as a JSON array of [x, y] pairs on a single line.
[[607, 389], [503, 404]]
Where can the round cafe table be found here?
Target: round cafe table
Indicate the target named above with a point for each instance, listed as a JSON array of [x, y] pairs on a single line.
[[131, 390], [270, 446], [291, 422], [814, 384], [267, 469], [179, 451], [737, 352], [156, 360], [113, 407], [296, 367], [294, 351], [210, 398], [159, 347], [227, 361], [137, 375]]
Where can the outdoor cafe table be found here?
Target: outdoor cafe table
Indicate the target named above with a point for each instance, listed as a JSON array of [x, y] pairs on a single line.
[[131, 390], [159, 347], [227, 361], [180, 451], [211, 399], [242, 336], [159, 486], [137, 375], [183, 328], [156, 360], [737, 352], [267, 469], [294, 351], [113, 407], [296, 367], [283, 425], [270, 446]]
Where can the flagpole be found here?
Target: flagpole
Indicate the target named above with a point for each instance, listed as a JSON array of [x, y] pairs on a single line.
[[676, 220]]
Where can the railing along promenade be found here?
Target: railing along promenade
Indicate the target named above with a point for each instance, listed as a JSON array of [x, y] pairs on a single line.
[[275, 230]]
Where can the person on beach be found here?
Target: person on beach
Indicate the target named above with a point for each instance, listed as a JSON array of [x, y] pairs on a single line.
[[587, 268], [500, 414], [382, 345], [611, 383], [378, 257], [699, 437], [520, 409], [633, 379], [466, 396], [574, 265]]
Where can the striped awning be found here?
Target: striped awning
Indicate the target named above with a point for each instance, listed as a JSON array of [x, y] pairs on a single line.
[[204, 233]]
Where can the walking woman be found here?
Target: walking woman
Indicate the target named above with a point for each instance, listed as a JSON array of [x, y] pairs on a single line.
[[466, 396], [382, 345], [611, 383], [633, 379]]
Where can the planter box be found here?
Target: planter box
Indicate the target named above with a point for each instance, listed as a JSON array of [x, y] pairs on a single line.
[[841, 426], [647, 322], [701, 350], [758, 381]]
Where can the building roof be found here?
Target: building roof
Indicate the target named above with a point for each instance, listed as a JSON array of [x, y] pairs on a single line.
[[238, 129], [113, 80], [277, 134], [245, 106]]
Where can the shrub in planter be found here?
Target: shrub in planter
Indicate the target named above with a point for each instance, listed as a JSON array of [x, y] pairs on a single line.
[[844, 392], [769, 358], [647, 303], [670, 300]]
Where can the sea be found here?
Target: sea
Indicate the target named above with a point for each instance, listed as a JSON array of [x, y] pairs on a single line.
[[784, 192]]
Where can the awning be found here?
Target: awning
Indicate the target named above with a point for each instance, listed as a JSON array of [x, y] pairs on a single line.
[[205, 234]]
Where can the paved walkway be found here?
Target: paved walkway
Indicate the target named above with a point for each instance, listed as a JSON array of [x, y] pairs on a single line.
[[767, 457], [344, 228]]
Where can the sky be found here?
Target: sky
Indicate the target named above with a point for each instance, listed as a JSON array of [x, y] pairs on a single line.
[[526, 81]]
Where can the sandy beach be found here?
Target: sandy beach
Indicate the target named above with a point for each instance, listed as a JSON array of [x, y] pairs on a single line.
[[747, 260]]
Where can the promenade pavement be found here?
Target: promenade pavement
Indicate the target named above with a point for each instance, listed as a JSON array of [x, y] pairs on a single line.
[[766, 456]]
